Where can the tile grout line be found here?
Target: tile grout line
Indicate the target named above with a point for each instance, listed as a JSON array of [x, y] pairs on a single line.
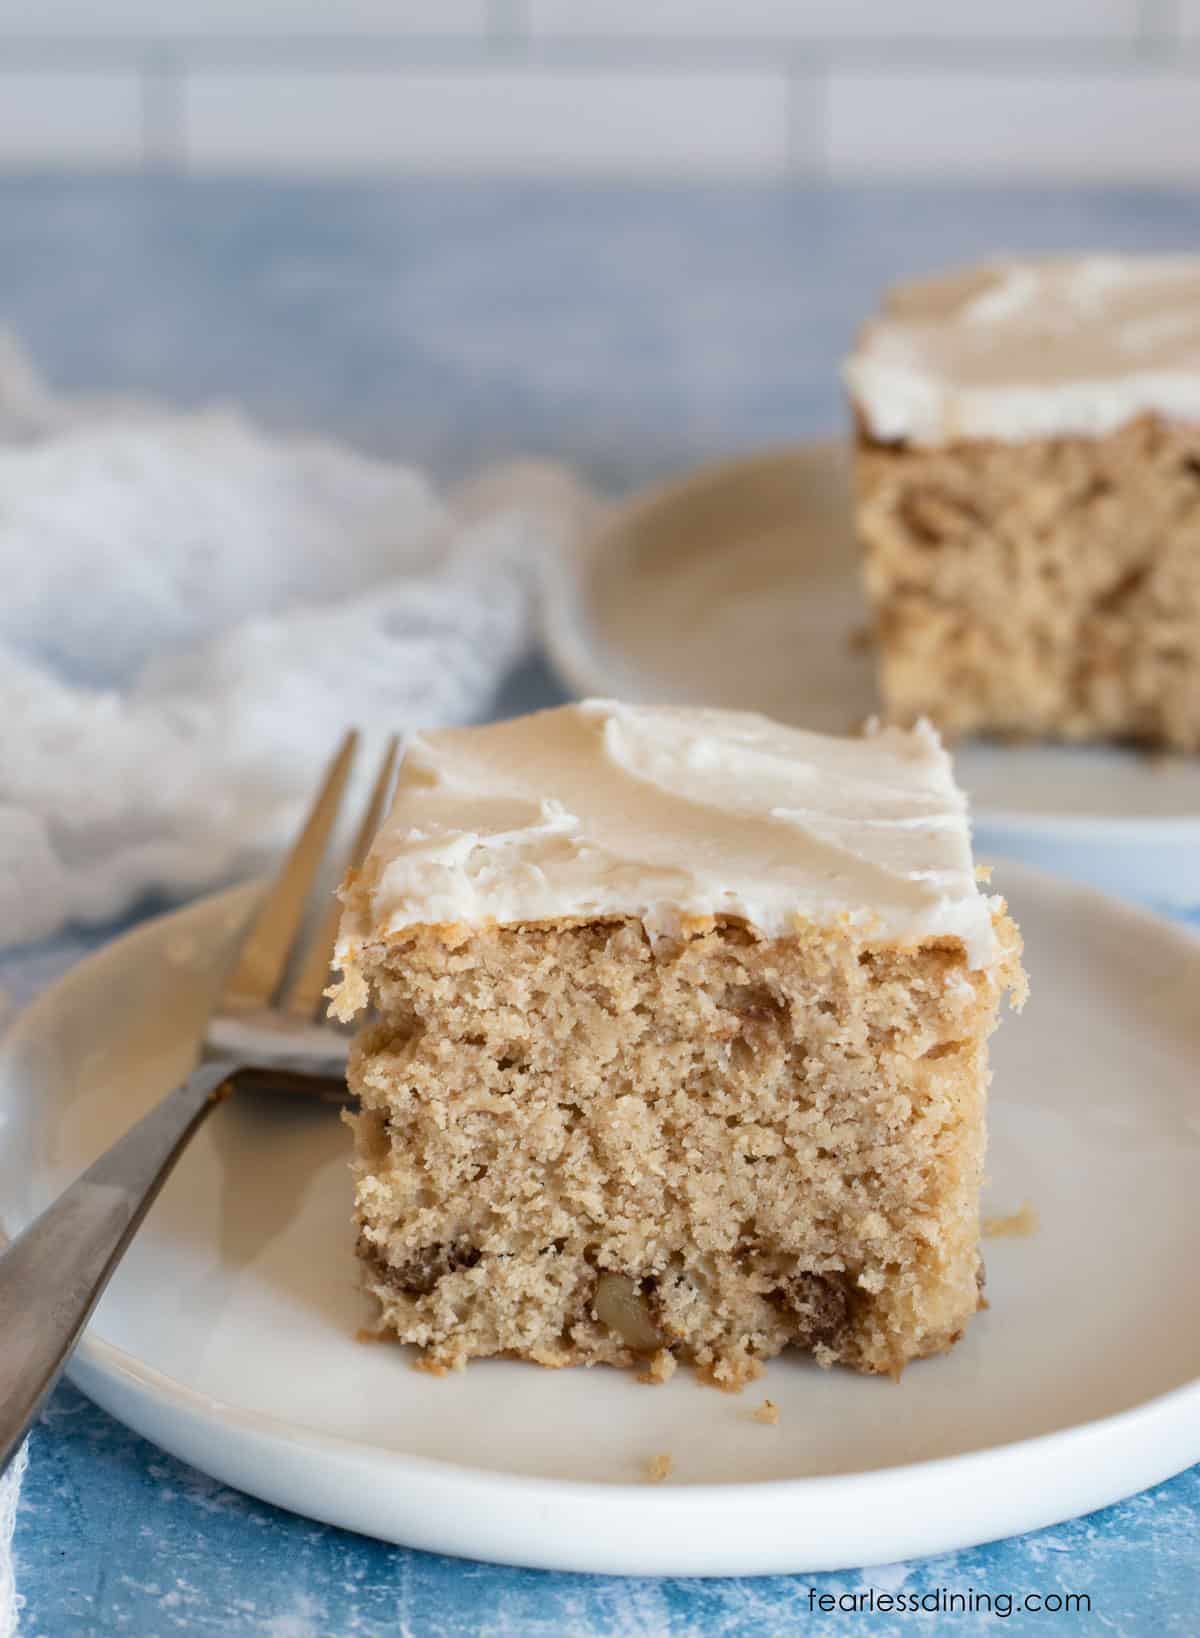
[[507, 33], [1158, 34], [506, 27], [162, 111], [807, 82]]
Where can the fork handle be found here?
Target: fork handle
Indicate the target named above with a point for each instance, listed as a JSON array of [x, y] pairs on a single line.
[[52, 1276]]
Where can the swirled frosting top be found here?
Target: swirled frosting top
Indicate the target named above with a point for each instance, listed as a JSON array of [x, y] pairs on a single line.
[[1014, 350], [668, 814]]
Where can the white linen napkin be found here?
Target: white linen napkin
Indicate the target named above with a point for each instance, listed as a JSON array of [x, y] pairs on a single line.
[[193, 612]]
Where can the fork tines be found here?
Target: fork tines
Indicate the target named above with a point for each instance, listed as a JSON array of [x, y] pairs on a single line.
[[269, 944]]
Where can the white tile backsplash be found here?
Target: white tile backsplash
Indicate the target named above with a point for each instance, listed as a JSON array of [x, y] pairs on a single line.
[[1102, 127], [52, 118], [836, 19], [200, 19], [489, 121], [993, 88]]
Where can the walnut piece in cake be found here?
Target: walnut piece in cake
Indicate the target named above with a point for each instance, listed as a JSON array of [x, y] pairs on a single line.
[[1028, 481], [678, 1045]]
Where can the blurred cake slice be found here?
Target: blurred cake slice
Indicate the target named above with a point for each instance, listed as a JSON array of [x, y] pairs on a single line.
[[678, 1043], [1028, 480]]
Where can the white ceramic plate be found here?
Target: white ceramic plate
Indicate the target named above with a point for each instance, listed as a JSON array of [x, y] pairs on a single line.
[[228, 1334], [737, 585]]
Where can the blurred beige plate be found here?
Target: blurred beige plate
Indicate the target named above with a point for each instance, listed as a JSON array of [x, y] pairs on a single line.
[[737, 585]]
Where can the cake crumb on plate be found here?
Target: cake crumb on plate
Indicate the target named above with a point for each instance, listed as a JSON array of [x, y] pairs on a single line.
[[767, 1412], [1017, 1225], [660, 1467], [660, 1368]]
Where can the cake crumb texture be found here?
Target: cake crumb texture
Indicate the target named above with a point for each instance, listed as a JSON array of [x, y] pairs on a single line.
[[767, 1412], [660, 1467], [1046, 588], [576, 1144]]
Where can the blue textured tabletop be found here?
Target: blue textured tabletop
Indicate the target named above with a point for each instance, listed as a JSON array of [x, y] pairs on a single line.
[[628, 330]]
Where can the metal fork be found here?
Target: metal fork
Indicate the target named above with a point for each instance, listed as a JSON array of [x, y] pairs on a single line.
[[266, 1031]]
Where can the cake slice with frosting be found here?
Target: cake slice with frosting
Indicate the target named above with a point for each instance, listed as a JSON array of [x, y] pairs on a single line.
[[677, 1044], [1028, 479]]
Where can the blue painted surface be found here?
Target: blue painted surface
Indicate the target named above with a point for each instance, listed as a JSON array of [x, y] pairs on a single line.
[[629, 330], [116, 1537]]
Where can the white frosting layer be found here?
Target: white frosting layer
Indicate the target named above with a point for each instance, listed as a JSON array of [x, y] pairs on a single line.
[[666, 814], [1032, 349]]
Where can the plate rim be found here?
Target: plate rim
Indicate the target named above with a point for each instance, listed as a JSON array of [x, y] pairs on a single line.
[[580, 660], [117, 1372]]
